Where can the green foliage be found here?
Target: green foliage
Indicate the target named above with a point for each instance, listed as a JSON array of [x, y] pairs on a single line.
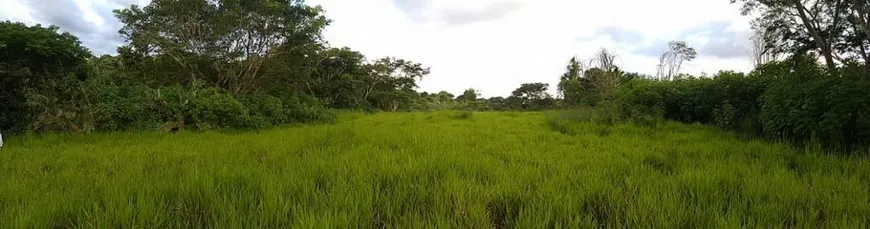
[[241, 52], [470, 95], [796, 100], [262, 63], [531, 96], [725, 99], [121, 106], [269, 110], [806, 103], [424, 170], [571, 84], [302, 108], [725, 115], [210, 108], [264, 110], [838, 31], [40, 70]]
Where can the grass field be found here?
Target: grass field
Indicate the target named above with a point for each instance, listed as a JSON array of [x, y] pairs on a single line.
[[429, 170]]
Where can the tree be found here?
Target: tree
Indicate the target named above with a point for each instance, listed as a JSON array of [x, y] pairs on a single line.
[[40, 73], [858, 34], [393, 77], [497, 103], [762, 47], [570, 86], [672, 60], [606, 80], [333, 75], [807, 25], [627, 77], [225, 43], [444, 96], [532, 96], [605, 60], [470, 95]]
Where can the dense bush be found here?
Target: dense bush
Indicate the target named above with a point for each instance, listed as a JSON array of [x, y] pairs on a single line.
[[40, 70], [302, 108], [796, 100], [806, 103], [50, 83], [212, 108], [726, 99], [122, 106]]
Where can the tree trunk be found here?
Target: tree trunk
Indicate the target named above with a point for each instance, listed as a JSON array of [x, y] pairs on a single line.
[[823, 44], [866, 56], [863, 20]]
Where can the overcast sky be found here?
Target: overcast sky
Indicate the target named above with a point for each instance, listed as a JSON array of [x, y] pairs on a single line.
[[489, 45]]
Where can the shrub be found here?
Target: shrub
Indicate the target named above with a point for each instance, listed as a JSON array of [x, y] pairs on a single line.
[[40, 70], [264, 110], [807, 103], [121, 105], [796, 100], [210, 108], [725, 115], [302, 108], [724, 100]]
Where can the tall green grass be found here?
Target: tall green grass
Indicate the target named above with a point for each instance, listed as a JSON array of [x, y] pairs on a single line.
[[429, 170]]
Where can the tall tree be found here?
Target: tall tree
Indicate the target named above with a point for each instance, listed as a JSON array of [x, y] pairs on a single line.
[[672, 60], [389, 82], [470, 95], [808, 25], [40, 69], [225, 43], [606, 80], [762, 47], [858, 35], [333, 75], [570, 86], [532, 96]]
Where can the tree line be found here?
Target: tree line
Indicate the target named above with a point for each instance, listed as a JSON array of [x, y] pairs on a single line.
[[811, 84], [205, 64], [196, 64]]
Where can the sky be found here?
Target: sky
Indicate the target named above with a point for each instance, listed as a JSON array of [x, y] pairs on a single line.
[[492, 46]]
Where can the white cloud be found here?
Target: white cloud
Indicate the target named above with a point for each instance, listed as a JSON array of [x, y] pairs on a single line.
[[15, 11], [490, 45]]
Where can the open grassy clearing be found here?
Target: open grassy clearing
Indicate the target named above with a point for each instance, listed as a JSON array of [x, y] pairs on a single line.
[[429, 170]]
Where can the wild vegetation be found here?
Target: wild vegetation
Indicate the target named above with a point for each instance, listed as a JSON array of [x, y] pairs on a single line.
[[277, 129], [431, 170], [255, 64]]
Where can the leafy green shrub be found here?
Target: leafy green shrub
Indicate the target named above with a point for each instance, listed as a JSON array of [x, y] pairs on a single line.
[[796, 100], [725, 115], [170, 104], [724, 100], [211, 108], [264, 110], [118, 102], [302, 108], [40, 73], [806, 103]]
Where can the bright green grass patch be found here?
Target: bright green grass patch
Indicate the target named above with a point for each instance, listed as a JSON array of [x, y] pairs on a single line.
[[429, 170]]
